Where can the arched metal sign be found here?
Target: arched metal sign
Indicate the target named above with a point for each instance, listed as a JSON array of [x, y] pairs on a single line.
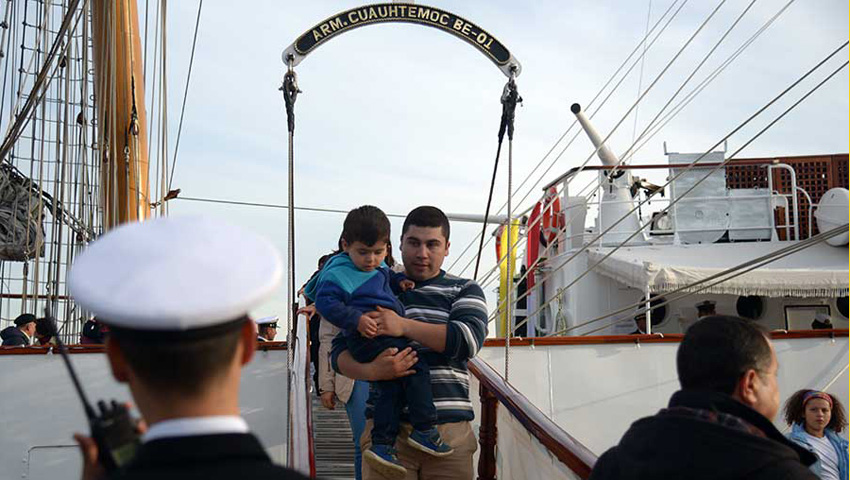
[[408, 13]]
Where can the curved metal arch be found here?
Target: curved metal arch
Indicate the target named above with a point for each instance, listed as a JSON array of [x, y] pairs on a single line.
[[405, 13]]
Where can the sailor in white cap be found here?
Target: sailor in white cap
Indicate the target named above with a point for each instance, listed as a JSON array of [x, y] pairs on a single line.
[[176, 300], [267, 328]]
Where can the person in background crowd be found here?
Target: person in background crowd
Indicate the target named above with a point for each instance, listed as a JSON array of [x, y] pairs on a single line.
[[310, 311], [267, 328], [94, 332], [20, 334], [816, 418], [44, 332], [706, 309], [719, 425], [821, 322]]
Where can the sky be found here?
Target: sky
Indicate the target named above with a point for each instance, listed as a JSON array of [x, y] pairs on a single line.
[[400, 115]]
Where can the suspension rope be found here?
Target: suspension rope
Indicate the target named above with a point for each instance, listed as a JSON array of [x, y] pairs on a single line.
[[510, 97], [290, 93]]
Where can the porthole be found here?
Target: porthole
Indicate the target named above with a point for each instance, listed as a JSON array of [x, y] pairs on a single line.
[[750, 307], [841, 305]]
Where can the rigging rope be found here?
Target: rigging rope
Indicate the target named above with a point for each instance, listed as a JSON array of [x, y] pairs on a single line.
[[42, 80], [705, 82], [729, 274], [185, 96], [680, 107], [563, 150], [691, 166]]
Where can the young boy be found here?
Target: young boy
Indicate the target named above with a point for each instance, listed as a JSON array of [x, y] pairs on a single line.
[[351, 284]]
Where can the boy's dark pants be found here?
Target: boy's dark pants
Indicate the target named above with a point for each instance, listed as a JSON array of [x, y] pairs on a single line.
[[389, 395]]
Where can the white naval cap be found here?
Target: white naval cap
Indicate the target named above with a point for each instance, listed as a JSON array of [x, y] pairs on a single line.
[[268, 320], [175, 274]]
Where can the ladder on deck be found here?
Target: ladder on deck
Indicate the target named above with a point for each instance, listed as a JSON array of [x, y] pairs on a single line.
[[334, 448]]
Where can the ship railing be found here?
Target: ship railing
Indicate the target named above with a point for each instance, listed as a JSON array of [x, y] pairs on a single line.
[[300, 454], [786, 222], [517, 440]]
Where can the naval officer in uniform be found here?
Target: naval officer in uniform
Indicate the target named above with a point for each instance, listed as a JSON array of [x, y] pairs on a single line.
[[176, 301], [267, 328]]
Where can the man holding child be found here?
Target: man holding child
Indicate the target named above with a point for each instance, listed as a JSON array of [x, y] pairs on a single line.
[[445, 322]]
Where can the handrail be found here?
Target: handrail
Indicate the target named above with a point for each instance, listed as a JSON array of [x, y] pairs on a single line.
[[568, 450], [589, 168], [299, 407], [99, 348], [649, 338], [564, 447]]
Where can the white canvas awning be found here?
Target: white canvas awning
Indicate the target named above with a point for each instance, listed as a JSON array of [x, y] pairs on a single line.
[[818, 271]]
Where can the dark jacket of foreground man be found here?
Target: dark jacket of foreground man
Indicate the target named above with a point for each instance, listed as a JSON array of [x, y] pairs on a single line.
[[205, 457], [701, 436]]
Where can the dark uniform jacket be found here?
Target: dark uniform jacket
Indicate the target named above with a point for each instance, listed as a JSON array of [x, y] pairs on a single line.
[[710, 436], [13, 337], [205, 457]]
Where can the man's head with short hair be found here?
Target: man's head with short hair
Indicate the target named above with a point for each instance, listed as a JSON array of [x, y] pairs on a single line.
[[733, 356], [185, 366], [424, 243], [427, 216]]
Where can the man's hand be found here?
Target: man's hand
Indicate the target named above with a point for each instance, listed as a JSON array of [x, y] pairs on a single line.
[[92, 470], [388, 322], [391, 364], [328, 400], [406, 285], [309, 310], [367, 326]]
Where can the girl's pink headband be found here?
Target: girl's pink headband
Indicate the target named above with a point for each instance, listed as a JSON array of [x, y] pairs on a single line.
[[816, 394]]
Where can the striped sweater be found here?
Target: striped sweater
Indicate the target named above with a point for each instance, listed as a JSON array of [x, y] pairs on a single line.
[[459, 304]]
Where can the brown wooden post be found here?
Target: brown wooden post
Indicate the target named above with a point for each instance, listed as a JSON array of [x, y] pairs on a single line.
[[487, 434]]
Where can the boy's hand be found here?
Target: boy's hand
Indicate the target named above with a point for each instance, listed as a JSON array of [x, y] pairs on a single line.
[[328, 400], [388, 322], [406, 285], [368, 327]]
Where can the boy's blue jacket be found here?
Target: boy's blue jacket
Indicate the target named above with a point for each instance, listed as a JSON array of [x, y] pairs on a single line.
[[342, 292]]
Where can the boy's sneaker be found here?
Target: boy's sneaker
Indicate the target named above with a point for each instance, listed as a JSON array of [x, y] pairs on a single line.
[[429, 441], [383, 459]]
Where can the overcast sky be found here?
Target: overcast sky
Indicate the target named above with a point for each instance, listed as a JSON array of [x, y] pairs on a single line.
[[401, 115]]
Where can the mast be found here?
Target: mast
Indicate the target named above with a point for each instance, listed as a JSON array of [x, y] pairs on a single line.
[[120, 103]]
